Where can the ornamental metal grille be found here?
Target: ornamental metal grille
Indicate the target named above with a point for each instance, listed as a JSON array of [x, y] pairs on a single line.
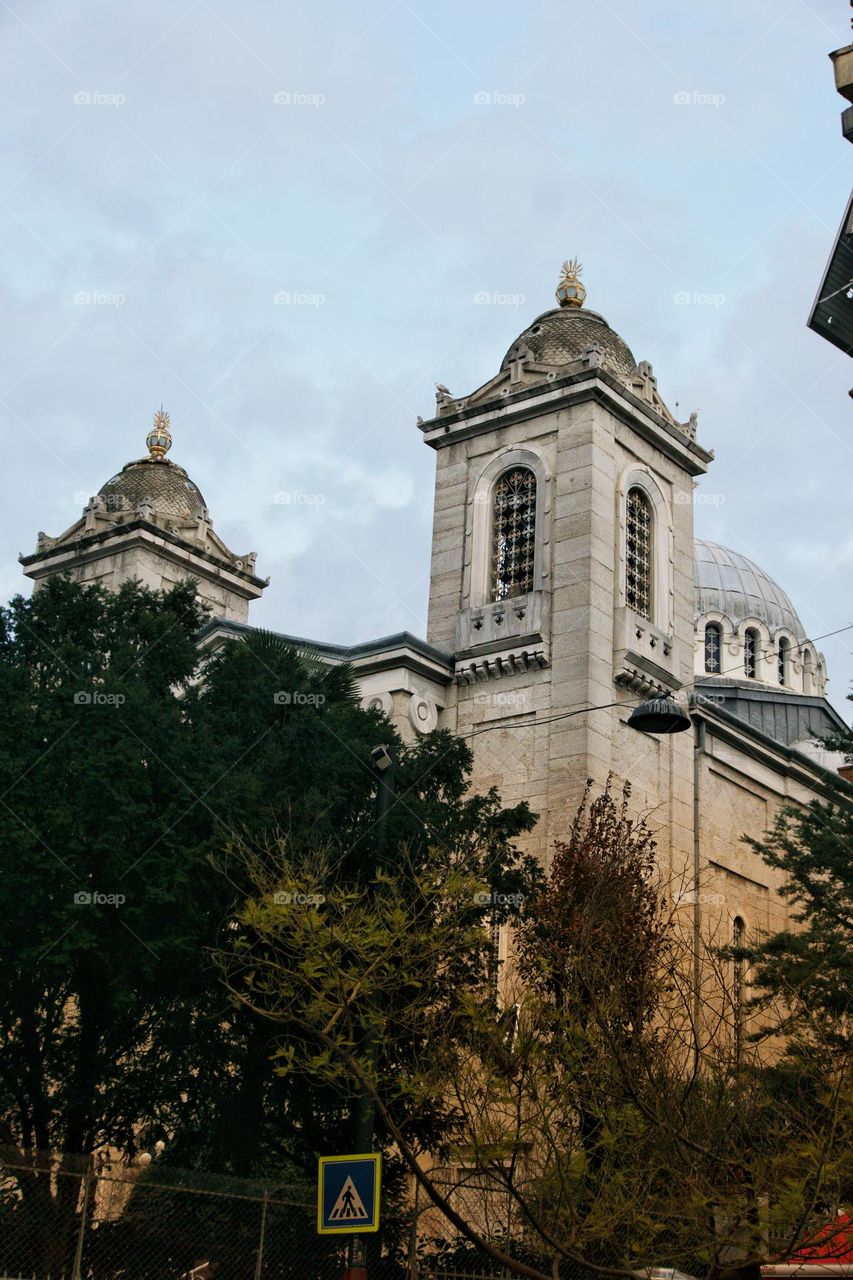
[[750, 654], [638, 554], [712, 648], [783, 661], [514, 534]]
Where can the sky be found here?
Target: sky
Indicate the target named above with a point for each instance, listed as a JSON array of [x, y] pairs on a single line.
[[287, 222]]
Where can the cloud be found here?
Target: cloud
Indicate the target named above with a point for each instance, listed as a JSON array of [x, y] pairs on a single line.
[[384, 208]]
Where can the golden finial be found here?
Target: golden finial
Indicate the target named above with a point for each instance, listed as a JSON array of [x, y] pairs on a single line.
[[570, 291], [159, 438]]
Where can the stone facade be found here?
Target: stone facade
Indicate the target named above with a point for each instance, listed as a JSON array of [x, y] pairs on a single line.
[[555, 608]]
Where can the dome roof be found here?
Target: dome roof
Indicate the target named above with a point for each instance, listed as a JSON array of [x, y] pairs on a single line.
[[162, 483], [726, 582], [560, 336]]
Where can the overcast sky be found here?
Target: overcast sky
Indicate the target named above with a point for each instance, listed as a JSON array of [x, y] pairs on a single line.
[[173, 171]]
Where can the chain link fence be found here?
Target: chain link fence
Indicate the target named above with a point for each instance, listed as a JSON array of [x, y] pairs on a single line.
[[60, 1220], [438, 1251], [66, 1219]]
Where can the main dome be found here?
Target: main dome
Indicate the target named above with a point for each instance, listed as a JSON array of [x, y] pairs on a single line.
[[728, 583], [157, 481], [560, 336]]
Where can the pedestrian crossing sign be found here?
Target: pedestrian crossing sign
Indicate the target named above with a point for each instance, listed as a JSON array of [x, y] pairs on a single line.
[[348, 1194]]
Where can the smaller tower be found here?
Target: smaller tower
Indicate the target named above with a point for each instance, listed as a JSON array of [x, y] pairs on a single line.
[[150, 522]]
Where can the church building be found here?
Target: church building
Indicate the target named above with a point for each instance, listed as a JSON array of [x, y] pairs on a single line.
[[566, 588]]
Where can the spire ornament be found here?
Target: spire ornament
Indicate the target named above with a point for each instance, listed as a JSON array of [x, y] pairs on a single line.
[[570, 291], [159, 438]]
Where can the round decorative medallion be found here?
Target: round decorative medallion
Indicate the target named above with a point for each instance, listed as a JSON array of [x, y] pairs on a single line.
[[383, 702], [423, 714]]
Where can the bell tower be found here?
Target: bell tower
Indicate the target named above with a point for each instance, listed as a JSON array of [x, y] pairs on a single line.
[[151, 523], [562, 564]]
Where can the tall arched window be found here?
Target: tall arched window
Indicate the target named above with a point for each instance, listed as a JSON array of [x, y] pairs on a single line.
[[808, 671], [513, 533], [750, 653], [713, 647], [784, 660], [638, 553], [738, 939]]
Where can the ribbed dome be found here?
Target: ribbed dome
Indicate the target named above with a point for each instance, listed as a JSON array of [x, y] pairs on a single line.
[[728, 583], [560, 336], [163, 484]]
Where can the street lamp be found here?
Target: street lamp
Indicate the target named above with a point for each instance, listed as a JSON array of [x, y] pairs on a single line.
[[659, 715]]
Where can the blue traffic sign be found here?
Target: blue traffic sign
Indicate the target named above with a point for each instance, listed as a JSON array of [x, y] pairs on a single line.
[[348, 1194]]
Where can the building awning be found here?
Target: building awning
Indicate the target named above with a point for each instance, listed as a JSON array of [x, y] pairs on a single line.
[[830, 1254], [832, 313]]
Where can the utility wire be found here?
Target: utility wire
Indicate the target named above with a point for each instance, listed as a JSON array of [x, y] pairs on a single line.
[[608, 706]]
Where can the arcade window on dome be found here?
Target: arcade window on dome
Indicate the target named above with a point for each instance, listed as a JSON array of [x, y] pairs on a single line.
[[713, 647], [750, 654], [513, 533], [784, 660], [638, 553]]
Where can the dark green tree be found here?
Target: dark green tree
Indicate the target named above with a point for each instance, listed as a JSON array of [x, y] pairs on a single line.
[[130, 760]]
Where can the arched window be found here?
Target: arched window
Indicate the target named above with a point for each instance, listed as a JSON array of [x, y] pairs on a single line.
[[808, 671], [513, 533], [738, 939], [713, 647], [638, 553], [784, 660], [750, 653]]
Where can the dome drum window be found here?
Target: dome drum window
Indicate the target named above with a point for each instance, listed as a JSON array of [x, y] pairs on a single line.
[[713, 648], [750, 654], [784, 661]]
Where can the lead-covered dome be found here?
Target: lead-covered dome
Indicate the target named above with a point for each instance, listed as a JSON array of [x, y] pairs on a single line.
[[730, 584], [157, 481], [560, 336]]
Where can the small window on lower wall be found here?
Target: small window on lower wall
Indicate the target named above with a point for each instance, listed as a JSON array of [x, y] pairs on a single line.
[[713, 647], [784, 661], [750, 653]]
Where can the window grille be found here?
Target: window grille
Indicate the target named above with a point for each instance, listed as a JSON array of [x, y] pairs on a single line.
[[784, 654], [638, 554], [514, 534], [750, 654], [713, 648]]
